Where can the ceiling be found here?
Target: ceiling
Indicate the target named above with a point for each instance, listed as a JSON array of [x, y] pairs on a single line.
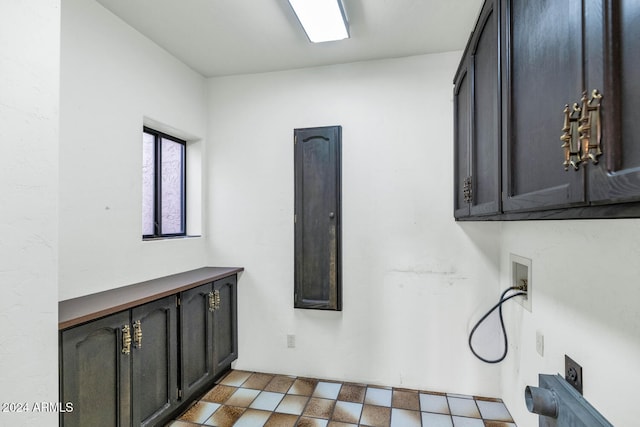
[[224, 37]]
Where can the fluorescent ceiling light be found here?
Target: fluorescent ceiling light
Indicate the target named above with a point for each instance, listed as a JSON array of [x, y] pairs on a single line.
[[322, 20]]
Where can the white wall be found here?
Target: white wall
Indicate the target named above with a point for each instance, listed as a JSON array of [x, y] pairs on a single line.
[[29, 95], [585, 302], [112, 78], [412, 277], [414, 280]]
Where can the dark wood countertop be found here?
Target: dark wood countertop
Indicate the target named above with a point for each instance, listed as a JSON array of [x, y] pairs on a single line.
[[79, 310]]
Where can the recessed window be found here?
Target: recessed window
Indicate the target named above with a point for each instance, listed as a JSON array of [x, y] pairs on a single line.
[[163, 185]]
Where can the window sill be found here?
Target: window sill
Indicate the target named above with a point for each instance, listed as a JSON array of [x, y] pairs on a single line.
[[151, 239]]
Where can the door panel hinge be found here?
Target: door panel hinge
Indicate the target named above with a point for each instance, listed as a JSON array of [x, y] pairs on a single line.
[[467, 190]]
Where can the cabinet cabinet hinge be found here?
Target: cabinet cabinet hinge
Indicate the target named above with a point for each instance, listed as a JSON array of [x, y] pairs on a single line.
[[178, 302], [467, 190], [295, 218], [179, 394], [295, 139]]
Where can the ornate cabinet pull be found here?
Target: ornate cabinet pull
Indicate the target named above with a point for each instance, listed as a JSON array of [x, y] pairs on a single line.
[[570, 137], [126, 339], [217, 299], [212, 301], [590, 129], [581, 131], [137, 334]]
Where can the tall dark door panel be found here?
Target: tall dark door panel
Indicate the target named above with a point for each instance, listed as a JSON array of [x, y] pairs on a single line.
[[544, 68], [477, 120], [96, 373], [462, 117], [155, 366], [317, 218], [197, 338], [225, 323]]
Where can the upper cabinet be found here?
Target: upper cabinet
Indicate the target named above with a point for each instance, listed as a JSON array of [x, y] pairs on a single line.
[[615, 41], [542, 70], [564, 125], [477, 119]]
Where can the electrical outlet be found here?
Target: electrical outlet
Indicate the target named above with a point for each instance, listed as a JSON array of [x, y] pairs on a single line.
[[521, 276], [573, 373], [540, 343], [291, 341]]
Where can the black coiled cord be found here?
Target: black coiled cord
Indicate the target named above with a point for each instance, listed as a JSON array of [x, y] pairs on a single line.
[[504, 332]]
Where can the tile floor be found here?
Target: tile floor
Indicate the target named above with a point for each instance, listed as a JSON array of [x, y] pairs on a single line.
[[251, 399]]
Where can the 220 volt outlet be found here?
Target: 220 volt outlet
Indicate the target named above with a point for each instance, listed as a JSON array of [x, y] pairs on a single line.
[[573, 373]]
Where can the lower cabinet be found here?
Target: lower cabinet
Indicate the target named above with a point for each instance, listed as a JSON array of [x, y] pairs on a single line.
[[208, 328], [95, 373], [141, 366], [154, 358]]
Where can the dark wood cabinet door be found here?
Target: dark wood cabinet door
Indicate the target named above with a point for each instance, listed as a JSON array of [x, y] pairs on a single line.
[[196, 346], [317, 218], [462, 137], [485, 141], [225, 324], [155, 370], [95, 374], [477, 120], [616, 177], [542, 71]]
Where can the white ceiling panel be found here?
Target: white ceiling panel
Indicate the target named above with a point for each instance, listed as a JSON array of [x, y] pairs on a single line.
[[223, 37]]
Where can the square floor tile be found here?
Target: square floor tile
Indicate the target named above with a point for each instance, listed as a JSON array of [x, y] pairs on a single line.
[[498, 424], [252, 418], [434, 403], [225, 416], [199, 412], [257, 381], [436, 420], [494, 411], [467, 422], [460, 396], [267, 401], [406, 400], [281, 420], [463, 407], [292, 404], [303, 386], [235, 378], [488, 399], [375, 416], [347, 412], [219, 394], [405, 418], [181, 424], [242, 397], [339, 424], [319, 408], [378, 396], [280, 384], [311, 422], [327, 390], [352, 393]]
